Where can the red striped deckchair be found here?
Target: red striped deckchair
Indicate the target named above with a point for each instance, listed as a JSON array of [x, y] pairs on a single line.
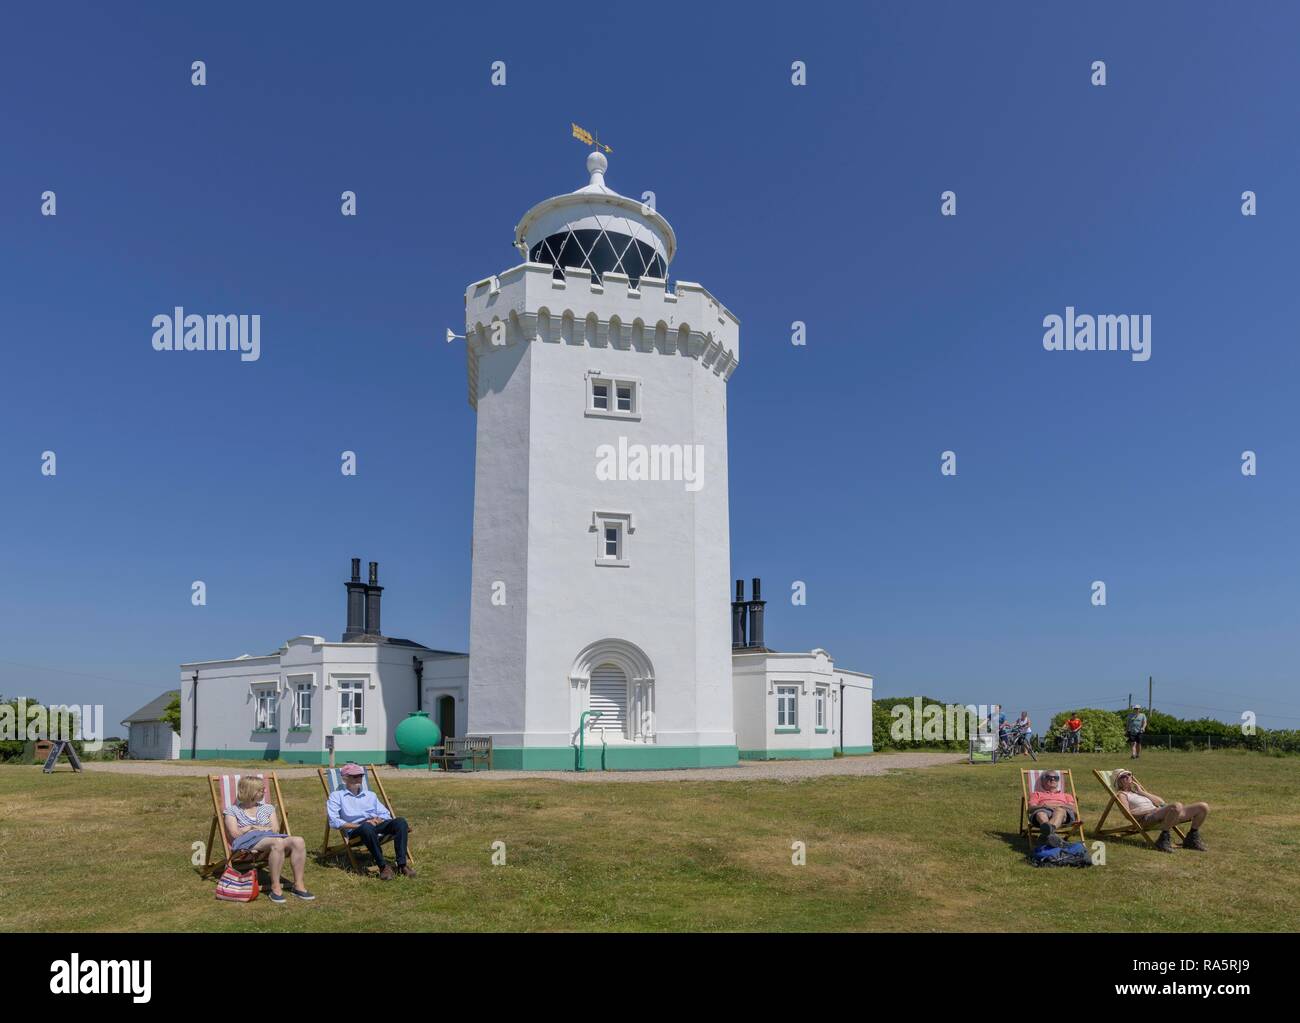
[[223, 788], [1029, 783]]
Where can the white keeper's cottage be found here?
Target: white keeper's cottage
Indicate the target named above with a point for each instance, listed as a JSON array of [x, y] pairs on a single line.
[[599, 609]]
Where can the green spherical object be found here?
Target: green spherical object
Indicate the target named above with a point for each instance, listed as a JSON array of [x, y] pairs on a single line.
[[417, 733]]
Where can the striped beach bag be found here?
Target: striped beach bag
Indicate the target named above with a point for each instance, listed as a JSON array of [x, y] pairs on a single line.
[[237, 885]]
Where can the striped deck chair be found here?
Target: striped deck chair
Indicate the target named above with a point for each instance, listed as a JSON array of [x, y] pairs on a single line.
[[223, 788], [1134, 826], [1029, 782], [331, 779]]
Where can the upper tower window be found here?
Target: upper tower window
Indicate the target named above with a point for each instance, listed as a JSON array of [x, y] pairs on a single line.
[[600, 252], [598, 230]]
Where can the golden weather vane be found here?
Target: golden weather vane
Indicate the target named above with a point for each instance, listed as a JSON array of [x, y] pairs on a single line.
[[583, 135]]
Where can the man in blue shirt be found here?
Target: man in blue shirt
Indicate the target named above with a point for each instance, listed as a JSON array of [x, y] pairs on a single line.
[[355, 810]]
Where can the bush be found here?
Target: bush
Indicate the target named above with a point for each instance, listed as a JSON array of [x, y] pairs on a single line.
[[882, 722], [1104, 728]]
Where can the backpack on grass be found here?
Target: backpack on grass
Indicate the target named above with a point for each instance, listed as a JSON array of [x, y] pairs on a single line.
[[1073, 855]]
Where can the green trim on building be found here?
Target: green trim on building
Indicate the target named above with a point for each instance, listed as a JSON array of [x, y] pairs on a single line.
[[296, 756], [787, 731], [304, 731], [822, 753], [637, 757], [351, 730], [853, 751], [821, 731]]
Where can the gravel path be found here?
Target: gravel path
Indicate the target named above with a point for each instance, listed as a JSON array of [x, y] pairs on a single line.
[[748, 770]]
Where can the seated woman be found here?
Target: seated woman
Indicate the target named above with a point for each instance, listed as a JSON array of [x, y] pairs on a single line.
[[252, 827], [1050, 807], [1150, 811]]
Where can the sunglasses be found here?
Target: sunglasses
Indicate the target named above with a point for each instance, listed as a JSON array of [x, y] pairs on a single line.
[[1051, 777]]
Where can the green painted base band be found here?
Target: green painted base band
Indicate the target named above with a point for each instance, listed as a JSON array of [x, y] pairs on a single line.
[[824, 753], [612, 758], [296, 756], [854, 751]]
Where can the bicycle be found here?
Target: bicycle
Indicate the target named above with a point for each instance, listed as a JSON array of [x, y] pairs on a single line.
[[1013, 742]]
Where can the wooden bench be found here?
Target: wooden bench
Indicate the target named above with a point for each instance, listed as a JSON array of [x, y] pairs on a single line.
[[475, 749]]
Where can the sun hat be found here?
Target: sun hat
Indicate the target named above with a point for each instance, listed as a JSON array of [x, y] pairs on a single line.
[[352, 770]]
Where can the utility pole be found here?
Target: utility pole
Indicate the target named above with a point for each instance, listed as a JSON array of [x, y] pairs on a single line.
[[1149, 689], [1129, 705]]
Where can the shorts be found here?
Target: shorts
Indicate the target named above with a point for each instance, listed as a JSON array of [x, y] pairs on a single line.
[[1135, 737], [1070, 815]]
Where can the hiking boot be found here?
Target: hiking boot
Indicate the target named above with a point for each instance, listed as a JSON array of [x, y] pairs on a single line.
[[386, 874], [407, 870], [1164, 843], [1193, 841]]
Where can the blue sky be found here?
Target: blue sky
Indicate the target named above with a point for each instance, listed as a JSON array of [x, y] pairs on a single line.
[[818, 204]]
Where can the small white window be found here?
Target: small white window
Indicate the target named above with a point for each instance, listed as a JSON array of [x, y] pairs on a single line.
[[264, 713], [302, 705], [819, 705], [351, 703], [612, 546], [612, 528], [611, 398], [787, 705]]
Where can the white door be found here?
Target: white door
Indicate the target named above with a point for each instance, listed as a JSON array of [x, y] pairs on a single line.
[[609, 696]]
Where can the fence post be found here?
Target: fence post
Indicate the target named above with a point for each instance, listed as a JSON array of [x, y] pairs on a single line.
[[1209, 743]]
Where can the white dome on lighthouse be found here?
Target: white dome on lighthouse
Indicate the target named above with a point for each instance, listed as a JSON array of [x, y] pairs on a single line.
[[598, 229]]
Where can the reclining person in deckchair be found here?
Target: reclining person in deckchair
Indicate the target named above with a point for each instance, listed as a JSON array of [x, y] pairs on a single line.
[[1150, 810], [251, 825], [1050, 807], [354, 810]]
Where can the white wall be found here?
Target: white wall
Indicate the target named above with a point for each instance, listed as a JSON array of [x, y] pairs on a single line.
[[536, 490], [152, 740], [227, 707], [757, 676]]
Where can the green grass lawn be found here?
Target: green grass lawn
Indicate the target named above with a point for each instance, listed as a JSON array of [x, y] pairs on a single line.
[[932, 849]]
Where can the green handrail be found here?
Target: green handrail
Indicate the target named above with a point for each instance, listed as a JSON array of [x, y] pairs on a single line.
[[582, 737]]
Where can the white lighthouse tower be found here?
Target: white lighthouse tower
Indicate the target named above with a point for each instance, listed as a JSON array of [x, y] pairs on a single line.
[[600, 611]]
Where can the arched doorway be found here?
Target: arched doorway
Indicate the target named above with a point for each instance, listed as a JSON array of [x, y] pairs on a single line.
[[614, 677]]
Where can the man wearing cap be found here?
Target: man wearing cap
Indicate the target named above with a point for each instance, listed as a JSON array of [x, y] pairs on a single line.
[[1134, 725], [356, 810]]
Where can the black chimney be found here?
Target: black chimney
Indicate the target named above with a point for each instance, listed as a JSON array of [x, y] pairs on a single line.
[[373, 590], [356, 603], [738, 615], [756, 616]]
